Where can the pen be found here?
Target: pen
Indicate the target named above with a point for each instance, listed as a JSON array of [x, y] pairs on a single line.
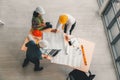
[[84, 57]]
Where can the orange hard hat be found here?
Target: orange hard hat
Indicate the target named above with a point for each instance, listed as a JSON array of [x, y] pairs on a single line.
[[37, 33]]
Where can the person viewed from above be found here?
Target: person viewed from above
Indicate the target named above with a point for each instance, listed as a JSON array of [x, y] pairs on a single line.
[[66, 22], [38, 21], [33, 53]]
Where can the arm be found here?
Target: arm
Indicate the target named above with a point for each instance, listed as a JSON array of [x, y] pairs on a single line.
[[31, 37], [30, 43], [42, 21], [57, 27], [27, 44]]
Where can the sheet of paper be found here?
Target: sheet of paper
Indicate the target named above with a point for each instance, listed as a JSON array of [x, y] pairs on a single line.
[[73, 58], [55, 41]]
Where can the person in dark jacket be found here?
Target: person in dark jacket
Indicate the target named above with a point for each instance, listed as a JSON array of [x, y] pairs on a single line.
[[33, 53]]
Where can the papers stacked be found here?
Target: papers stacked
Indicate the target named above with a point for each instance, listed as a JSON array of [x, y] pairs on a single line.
[[67, 55], [73, 57], [55, 41]]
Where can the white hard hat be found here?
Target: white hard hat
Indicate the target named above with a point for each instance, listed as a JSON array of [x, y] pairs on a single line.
[[40, 10], [43, 43]]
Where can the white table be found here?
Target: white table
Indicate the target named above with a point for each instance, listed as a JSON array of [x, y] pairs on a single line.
[[61, 58]]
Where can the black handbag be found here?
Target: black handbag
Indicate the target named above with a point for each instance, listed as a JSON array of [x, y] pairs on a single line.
[[48, 25], [80, 75]]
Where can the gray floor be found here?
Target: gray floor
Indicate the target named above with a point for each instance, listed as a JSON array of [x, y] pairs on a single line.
[[17, 17]]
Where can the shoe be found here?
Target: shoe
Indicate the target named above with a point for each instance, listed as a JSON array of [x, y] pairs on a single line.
[[24, 65], [38, 69], [1, 22]]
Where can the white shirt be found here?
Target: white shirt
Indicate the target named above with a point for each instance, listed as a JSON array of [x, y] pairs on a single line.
[[70, 22]]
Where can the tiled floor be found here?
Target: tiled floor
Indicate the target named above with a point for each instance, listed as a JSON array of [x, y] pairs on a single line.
[[17, 16]]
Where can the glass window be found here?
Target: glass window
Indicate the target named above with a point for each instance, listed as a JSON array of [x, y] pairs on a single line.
[[117, 5], [117, 47], [110, 35], [110, 15], [119, 19], [101, 2], [114, 30], [106, 20], [114, 26]]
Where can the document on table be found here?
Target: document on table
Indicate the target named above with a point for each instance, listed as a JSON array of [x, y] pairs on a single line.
[[74, 56], [72, 59], [55, 41]]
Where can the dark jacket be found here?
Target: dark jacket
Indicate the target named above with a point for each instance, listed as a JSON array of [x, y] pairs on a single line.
[[33, 50]]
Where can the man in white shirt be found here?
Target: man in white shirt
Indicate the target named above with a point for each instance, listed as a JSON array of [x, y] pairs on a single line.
[[66, 22]]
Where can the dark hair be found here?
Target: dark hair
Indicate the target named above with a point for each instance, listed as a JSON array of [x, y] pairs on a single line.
[[35, 14]]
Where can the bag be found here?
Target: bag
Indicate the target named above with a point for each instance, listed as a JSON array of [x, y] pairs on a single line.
[[48, 25], [79, 75]]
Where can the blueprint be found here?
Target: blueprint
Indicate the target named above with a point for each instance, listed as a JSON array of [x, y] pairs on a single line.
[[73, 58], [55, 40]]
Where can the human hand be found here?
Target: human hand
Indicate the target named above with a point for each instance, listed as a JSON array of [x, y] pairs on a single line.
[[42, 24], [54, 30], [66, 38]]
